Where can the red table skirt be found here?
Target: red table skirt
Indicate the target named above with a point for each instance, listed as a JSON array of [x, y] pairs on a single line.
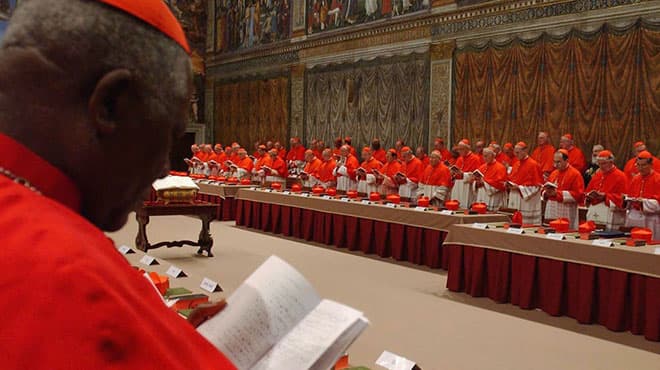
[[618, 300], [403, 243], [226, 207]]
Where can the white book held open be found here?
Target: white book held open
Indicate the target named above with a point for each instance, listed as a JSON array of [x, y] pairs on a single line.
[[276, 320]]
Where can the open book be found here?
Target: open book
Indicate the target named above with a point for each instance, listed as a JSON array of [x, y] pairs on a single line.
[[550, 185], [276, 320]]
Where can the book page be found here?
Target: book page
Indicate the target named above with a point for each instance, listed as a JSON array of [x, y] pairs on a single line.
[[311, 338], [260, 312]]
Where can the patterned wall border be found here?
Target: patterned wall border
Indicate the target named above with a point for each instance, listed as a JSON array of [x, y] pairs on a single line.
[[504, 15], [454, 22], [252, 66]]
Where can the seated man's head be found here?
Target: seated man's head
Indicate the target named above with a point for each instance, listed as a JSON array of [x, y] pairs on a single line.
[[100, 94]]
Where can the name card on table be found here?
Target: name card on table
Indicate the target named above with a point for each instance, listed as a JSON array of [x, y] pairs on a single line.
[[210, 286], [515, 230], [254, 188], [480, 226], [286, 192], [555, 236], [147, 260], [364, 201], [418, 208], [447, 212], [345, 200], [175, 272], [124, 249], [305, 195], [392, 361], [656, 251], [326, 197], [602, 243], [391, 205]]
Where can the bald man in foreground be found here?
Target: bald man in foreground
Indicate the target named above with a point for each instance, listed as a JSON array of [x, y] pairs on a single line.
[[110, 85]]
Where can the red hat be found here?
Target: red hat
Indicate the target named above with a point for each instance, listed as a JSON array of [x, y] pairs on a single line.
[[644, 155], [563, 151], [262, 147], [522, 144], [406, 149], [272, 152], [348, 138], [308, 151], [366, 149], [638, 144], [464, 141], [392, 151], [218, 146], [439, 139], [605, 155], [568, 136], [508, 146], [227, 148], [155, 13]]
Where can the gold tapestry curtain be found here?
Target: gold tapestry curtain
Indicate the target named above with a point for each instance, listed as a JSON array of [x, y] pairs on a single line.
[[601, 86], [250, 111], [385, 98]]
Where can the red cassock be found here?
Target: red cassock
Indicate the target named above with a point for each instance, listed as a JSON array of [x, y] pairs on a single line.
[[296, 154], [281, 153], [312, 168], [390, 169], [494, 174], [318, 154], [647, 187], [426, 161], [413, 169], [265, 160], [507, 160], [71, 300], [351, 164], [380, 155], [371, 164], [234, 158], [544, 156], [200, 155], [436, 176], [576, 159], [526, 173], [279, 166], [631, 167], [613, 183], [469, 163], [570, 181], [325, 171], [446, 155], [246, 164]]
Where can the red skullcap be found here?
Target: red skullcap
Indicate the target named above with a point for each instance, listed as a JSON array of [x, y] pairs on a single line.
[[522, 144], [638, 144], [644, 155], [568, 136], [406, 149], [563, 151], [605, 154], [508, 146], [155, 13]]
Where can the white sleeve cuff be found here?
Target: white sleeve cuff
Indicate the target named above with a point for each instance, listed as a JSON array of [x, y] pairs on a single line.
[[650, 206], [371, 179], [342, 171], [568, 198]]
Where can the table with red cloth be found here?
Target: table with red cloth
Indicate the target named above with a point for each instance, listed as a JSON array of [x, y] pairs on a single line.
[[617, 287], [405, 234], [223, 195]]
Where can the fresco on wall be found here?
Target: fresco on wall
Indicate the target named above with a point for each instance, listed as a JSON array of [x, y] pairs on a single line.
[[324, 15], [192, 16], [241, 24]]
